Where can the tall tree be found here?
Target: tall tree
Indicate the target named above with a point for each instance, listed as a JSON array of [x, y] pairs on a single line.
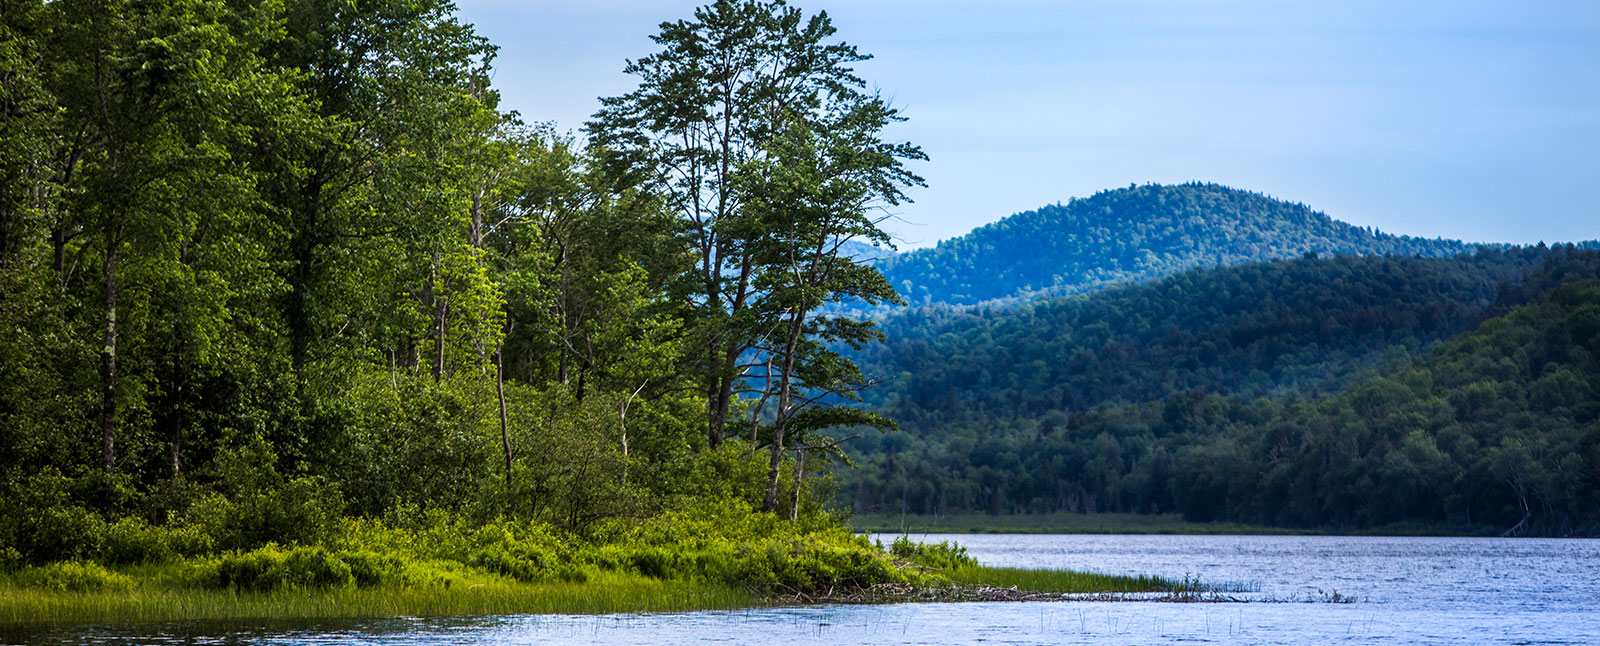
[[709, 108], [153, 96], [819, 188]]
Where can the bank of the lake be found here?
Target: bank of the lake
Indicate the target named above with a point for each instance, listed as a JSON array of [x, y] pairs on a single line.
[[1448, 591], [1122, 523], [151, 595]]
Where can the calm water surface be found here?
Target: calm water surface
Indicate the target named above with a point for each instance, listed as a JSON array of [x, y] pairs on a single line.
[[1409, 591]]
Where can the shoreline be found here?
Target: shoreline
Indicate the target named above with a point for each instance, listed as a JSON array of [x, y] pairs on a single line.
[[1135, 524], [150, 601]]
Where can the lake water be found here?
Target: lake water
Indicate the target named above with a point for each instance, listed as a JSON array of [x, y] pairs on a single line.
[[1408, 591]]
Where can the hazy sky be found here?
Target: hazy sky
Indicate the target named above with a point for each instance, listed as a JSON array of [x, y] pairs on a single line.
[[1471, 120]]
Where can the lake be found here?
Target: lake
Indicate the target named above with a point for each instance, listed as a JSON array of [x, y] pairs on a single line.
[[1407, 591]]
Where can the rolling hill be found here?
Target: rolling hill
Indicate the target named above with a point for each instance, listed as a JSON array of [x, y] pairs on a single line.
[[1132, 234], [1227, 393]]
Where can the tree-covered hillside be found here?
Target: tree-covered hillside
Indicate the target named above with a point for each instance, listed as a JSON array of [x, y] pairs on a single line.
[[1137, 233], [1157, 398]]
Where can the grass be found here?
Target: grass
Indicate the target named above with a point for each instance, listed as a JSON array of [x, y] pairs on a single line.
[[1061, 581], [149, 601]]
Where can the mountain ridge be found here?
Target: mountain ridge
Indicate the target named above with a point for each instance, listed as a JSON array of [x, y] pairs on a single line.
[[1133, 234]]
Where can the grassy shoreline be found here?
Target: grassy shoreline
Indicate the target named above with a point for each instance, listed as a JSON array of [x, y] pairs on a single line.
[[149, 600], [22, 606], [1120, 523]]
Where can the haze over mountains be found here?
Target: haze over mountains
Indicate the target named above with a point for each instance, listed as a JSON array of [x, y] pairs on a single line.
[[1278, 361]]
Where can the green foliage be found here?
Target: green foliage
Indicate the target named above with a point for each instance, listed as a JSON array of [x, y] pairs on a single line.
[[943, 555], [725, 542], [271, 567], [72, 576], [43, 524], [255, 505], [1254, 417], [131, 540]]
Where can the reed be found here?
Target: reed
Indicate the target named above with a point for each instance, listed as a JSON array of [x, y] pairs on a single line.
[[144, 603], [1057, 581]]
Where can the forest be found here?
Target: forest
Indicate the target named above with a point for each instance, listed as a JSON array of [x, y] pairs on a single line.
[[290, 296], [1344, 393]]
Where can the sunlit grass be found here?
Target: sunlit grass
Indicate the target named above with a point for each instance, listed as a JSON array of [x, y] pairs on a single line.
[[1061, 581], [151, 602]]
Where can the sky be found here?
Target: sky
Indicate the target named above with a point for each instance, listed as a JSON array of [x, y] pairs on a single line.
[[1467, 119]]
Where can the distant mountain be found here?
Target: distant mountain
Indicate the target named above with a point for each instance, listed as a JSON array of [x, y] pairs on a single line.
[[1133, 234]]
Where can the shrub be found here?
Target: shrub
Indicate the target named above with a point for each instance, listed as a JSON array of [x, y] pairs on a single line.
[[271, 568], [371, 569], [131, 540], [73, 576], [42, 522], [258, 506], [10, 559], [943, 555]]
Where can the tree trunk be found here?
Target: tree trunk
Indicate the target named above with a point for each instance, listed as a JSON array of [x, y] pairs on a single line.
[[440, 305], [441, 309], [108, 374], [179, 407], [799, 476], [303, 247], [500, 392], [785, 398], [724, 399]]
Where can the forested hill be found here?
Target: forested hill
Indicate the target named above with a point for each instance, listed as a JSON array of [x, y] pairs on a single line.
[[1257, 329], [1130, 234], [1149, 398]]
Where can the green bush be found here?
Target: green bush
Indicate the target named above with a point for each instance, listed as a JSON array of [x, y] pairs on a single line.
[[257, 506], [938, 556], [726, 542], [42, 522], [10, 559], [272, 568], [73, 576], [132, 540], [371, 569]]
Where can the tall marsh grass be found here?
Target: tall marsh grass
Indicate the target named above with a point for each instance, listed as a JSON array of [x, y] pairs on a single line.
[[1062, 581], [605, 594]]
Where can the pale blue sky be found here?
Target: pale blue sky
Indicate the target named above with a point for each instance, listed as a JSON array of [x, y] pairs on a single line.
[[1471, 120]]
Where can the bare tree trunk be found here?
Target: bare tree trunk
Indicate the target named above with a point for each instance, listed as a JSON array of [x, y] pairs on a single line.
[[440, 308], [799, 476], [785, 399], [500, 392], [108, 374], [755, 415], [179, 407]]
